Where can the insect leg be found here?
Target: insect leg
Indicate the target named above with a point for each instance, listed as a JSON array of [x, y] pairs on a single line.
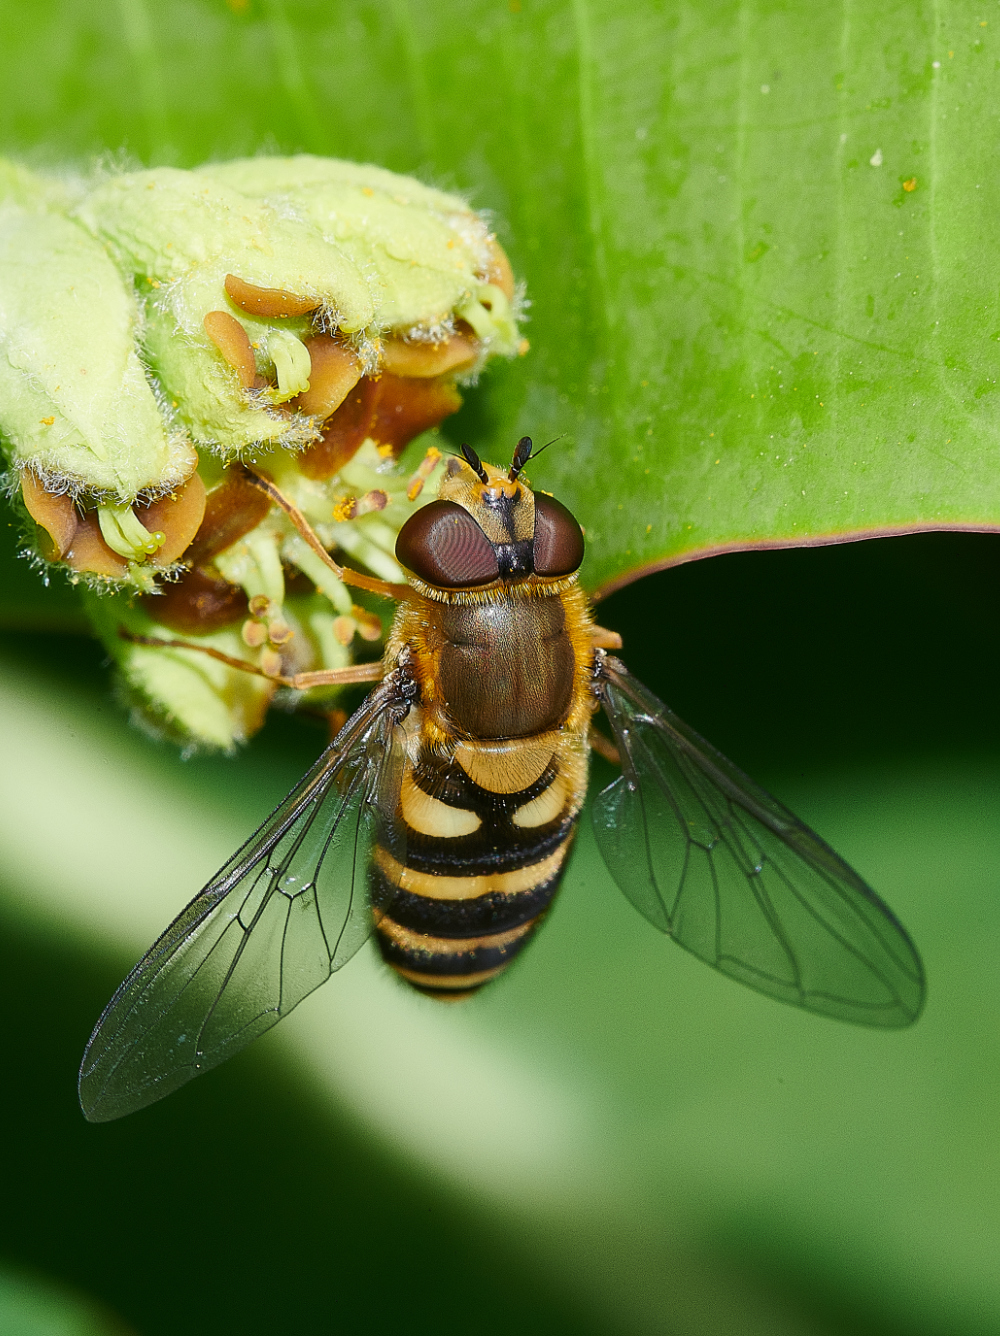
[[327, 677], [604, 639], [165, 642], [332, 677], [603, 746], [375, 586]]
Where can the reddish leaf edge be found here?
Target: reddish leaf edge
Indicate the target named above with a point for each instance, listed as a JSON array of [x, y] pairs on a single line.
[[681, 558]]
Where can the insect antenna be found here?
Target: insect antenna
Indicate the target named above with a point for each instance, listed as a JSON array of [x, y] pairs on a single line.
[[554, 441], [523, 452], [474, 462]]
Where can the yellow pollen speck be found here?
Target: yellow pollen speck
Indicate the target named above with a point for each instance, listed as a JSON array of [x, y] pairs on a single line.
[[711, 433], [649, 528], [910, 185], [644, 383], [367, 190], [523, 347], [47, 422], [717, 461], [153, 283]]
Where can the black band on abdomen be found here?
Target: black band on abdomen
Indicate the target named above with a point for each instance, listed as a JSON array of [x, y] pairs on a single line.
[[465, 918]]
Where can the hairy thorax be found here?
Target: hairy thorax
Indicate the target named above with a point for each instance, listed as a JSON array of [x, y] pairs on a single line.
[[512, 665], [507, 667]]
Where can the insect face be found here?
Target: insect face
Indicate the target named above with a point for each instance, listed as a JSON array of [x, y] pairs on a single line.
[[488, 525]]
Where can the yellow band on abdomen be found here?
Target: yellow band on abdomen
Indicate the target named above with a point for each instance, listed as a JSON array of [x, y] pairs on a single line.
[[470, 888]]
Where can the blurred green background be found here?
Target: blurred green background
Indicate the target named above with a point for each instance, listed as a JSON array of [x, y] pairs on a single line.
[[611, 1139]]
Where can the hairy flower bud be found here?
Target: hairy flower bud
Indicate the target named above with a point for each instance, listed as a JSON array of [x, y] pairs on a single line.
[[181, 236], [433, 259], [311, 316], [75, 405]]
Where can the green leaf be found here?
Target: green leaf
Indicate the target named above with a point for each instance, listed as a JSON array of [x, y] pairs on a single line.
[[757, 237]]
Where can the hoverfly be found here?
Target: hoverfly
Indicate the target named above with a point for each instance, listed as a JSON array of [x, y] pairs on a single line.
[[442, 816]]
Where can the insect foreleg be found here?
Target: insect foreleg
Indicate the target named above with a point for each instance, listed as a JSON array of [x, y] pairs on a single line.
[[370, 582], [165, 642], [326, 677]]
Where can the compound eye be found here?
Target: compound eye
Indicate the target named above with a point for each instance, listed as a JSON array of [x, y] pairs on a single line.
[[558, 538], [443, 545]]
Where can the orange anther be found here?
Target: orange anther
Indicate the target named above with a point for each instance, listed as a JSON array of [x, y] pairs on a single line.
[[233, 343], [335, 370], [344, 629], [270, 663], [279, 632], [253, 633], [271, 303], [423, 360]]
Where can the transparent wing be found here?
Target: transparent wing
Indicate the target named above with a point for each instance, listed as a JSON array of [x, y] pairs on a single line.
[[290, 908], [708, 857]]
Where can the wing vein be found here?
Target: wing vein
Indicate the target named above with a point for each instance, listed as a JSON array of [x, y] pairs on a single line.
[[770, 904], [200, 993]]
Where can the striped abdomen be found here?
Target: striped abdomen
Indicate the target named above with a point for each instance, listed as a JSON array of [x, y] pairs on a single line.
[[489, 826]]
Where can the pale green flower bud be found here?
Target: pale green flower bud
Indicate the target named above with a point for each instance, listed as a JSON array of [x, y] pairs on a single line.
[[182, 236], [76, 408], [181, 693], [433, 257], [313, 314], [20, 186]]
